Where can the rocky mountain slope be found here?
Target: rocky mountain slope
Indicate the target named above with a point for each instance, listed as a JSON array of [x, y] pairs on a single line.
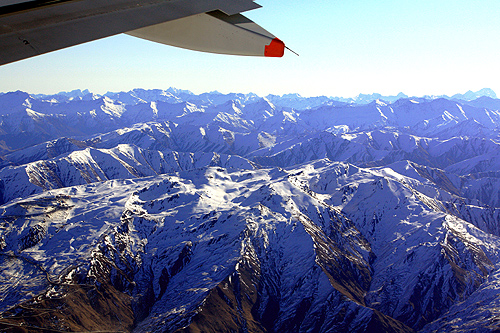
[[156, 210]]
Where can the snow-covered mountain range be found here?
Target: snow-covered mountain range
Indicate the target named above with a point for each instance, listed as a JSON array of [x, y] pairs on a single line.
[[167, 211]]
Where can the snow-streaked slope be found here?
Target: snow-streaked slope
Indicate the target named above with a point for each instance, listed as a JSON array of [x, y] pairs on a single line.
[[283, 250], [50, 117], [94, 165], [477, 313]]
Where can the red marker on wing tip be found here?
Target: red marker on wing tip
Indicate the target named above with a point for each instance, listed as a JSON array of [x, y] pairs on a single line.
[[275, 49]]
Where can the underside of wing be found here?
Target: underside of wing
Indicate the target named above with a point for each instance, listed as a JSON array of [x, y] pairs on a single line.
[[215, 32]]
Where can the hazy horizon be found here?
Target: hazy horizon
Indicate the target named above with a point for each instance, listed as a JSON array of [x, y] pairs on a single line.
[[419, 48], [101, 93]]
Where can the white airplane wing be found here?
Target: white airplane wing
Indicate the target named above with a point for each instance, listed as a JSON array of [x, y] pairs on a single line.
[[215, 32], [30, 28]]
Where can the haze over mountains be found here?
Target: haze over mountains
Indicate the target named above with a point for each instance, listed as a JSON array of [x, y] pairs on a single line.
[[163, 210]]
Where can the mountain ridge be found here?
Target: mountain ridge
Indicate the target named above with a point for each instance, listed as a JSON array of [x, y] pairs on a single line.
[[222, 212]]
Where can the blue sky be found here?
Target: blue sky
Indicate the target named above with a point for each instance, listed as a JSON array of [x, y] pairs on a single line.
[[346, 47]]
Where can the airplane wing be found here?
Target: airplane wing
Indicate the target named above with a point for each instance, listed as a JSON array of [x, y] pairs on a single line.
[[215, 32], [30, 28]]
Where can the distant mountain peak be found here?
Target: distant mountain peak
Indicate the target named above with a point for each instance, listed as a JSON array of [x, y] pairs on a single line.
[[292, 95], [74, 93], [470, 95], [174, 91]]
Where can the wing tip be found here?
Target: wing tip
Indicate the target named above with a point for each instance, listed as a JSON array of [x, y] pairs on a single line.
[[275, 49]]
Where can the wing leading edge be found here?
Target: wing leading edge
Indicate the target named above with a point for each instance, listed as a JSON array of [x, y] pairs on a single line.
[[30, 28]]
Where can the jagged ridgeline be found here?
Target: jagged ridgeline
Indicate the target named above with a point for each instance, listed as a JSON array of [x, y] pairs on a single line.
[[166, 211]]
